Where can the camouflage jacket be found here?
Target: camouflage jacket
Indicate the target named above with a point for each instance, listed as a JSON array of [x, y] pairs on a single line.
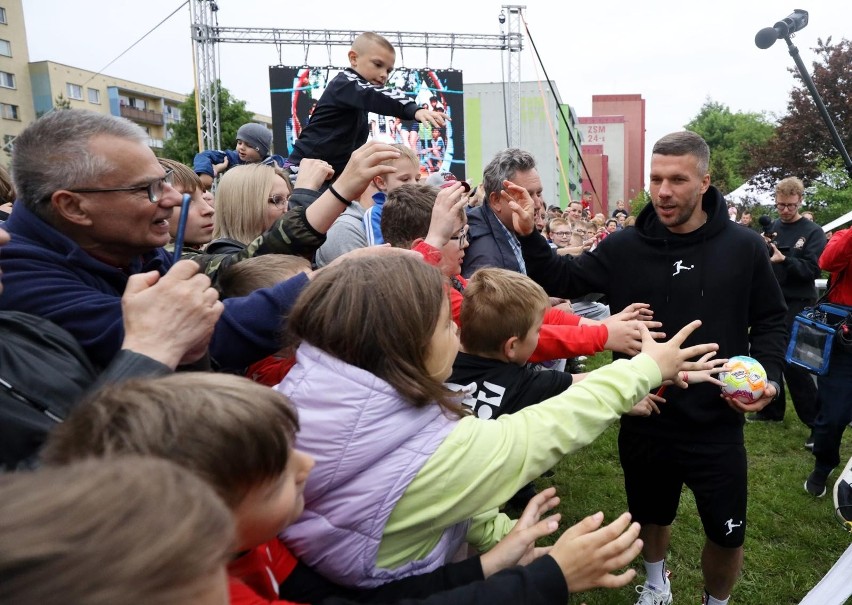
[[291, 234]]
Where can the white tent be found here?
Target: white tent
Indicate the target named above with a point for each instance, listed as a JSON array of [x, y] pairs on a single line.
[[746, 194]]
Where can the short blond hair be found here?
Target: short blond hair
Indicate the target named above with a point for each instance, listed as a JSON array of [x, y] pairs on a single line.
[[790, 186], [499, 304], [184, 178], [362, 42], [246, 276], [128, 530]]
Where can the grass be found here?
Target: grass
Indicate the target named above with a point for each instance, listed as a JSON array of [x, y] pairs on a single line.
[[792, 539]]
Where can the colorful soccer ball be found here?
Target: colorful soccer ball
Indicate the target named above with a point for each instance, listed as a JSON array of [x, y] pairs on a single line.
[[745, 381]]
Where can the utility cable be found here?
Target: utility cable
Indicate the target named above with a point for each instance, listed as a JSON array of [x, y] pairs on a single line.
[[561, 113], [148, 33]]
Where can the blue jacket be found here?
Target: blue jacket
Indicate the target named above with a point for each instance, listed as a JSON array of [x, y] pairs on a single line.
[[489, 246], [373, 220], [47, 274], [204, 161]]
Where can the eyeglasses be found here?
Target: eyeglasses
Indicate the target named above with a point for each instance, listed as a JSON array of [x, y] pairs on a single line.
[[155, 188], [786, 206], [580, 232], [463, 236], [562, 233], [278, 200]]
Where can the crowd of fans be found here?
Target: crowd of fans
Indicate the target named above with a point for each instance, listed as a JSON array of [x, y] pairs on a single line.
[[297, 406]]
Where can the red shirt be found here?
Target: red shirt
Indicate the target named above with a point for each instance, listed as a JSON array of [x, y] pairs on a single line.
[[254, 577], [560, 335], [837, 258], [270, 370]]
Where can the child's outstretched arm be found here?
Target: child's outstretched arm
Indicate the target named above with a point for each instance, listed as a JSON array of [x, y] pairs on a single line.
[[364, 164], [588, 554], [435, 118], [518, 547], [672, 360]]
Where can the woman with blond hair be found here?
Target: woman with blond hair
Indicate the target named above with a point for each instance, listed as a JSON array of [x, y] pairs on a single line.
[[249, 199]]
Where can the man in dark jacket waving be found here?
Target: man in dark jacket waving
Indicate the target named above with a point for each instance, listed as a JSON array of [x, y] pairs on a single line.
[[688, 261]]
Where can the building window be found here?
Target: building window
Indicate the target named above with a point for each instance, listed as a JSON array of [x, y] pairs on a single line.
[[8, 144], [75, 91], [7, 80], [5, 48], [172, 114], [3, 15], [8, 112], [95, 96]]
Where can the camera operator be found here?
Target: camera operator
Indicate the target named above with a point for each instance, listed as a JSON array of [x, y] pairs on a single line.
[[795, 245]]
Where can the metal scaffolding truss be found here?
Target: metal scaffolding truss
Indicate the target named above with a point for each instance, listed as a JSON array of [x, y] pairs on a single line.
[[340, 37], [206, 34]]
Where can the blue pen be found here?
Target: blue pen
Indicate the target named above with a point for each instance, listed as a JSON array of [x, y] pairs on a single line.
[[184, 210]]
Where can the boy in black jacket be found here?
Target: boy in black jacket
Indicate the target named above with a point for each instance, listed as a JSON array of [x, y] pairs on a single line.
[[339, 124], [501, 317]]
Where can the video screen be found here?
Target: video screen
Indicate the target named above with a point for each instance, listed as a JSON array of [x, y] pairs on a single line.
[[295, 91]]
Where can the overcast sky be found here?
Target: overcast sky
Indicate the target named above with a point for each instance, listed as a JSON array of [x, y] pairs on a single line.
[[674, 53]]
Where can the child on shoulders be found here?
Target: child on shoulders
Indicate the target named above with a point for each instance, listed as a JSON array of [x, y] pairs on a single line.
[[339, 124]]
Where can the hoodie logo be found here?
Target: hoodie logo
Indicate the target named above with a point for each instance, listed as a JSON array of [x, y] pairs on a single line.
[[800, 243], [679, 266]]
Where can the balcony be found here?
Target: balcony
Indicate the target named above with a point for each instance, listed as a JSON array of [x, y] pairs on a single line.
[[145, 116]]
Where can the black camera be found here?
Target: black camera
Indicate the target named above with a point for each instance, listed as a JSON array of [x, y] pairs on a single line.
[[766, 224]]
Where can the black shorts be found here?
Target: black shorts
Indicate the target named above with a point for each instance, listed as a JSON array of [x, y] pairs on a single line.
[[655, 471]]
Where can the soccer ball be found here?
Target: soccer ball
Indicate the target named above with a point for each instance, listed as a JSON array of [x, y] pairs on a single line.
[[745, 381]]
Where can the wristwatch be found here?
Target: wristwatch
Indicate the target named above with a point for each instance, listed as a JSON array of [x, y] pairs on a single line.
[[777, 389]]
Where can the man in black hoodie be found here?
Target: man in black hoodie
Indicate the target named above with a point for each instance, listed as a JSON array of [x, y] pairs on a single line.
[[688, 260]]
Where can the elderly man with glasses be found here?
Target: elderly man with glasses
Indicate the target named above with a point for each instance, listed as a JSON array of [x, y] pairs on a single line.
[[795, 246], [93, 209]]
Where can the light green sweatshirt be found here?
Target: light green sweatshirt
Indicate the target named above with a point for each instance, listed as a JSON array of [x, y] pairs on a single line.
[[483, 463]]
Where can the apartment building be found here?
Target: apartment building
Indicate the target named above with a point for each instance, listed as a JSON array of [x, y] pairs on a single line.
[[31, 89], [16, 106], [152, 108]]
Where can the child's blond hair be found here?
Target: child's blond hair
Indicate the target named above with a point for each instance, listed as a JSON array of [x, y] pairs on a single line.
[[499, 304], [246, 276], [184, 179], [363, 41]]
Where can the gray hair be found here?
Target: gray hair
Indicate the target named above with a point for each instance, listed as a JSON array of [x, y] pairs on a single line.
[[53, 153], [503, 167], [685, 143]]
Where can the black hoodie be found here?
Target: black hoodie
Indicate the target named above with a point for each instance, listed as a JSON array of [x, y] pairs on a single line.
[[720, 273]]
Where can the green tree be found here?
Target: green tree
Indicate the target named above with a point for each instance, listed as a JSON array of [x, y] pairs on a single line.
[[830, 195], [802, 144], [729, 136], [182, 144]]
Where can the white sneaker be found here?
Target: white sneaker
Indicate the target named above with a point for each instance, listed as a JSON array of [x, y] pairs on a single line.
[[654, 596]]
